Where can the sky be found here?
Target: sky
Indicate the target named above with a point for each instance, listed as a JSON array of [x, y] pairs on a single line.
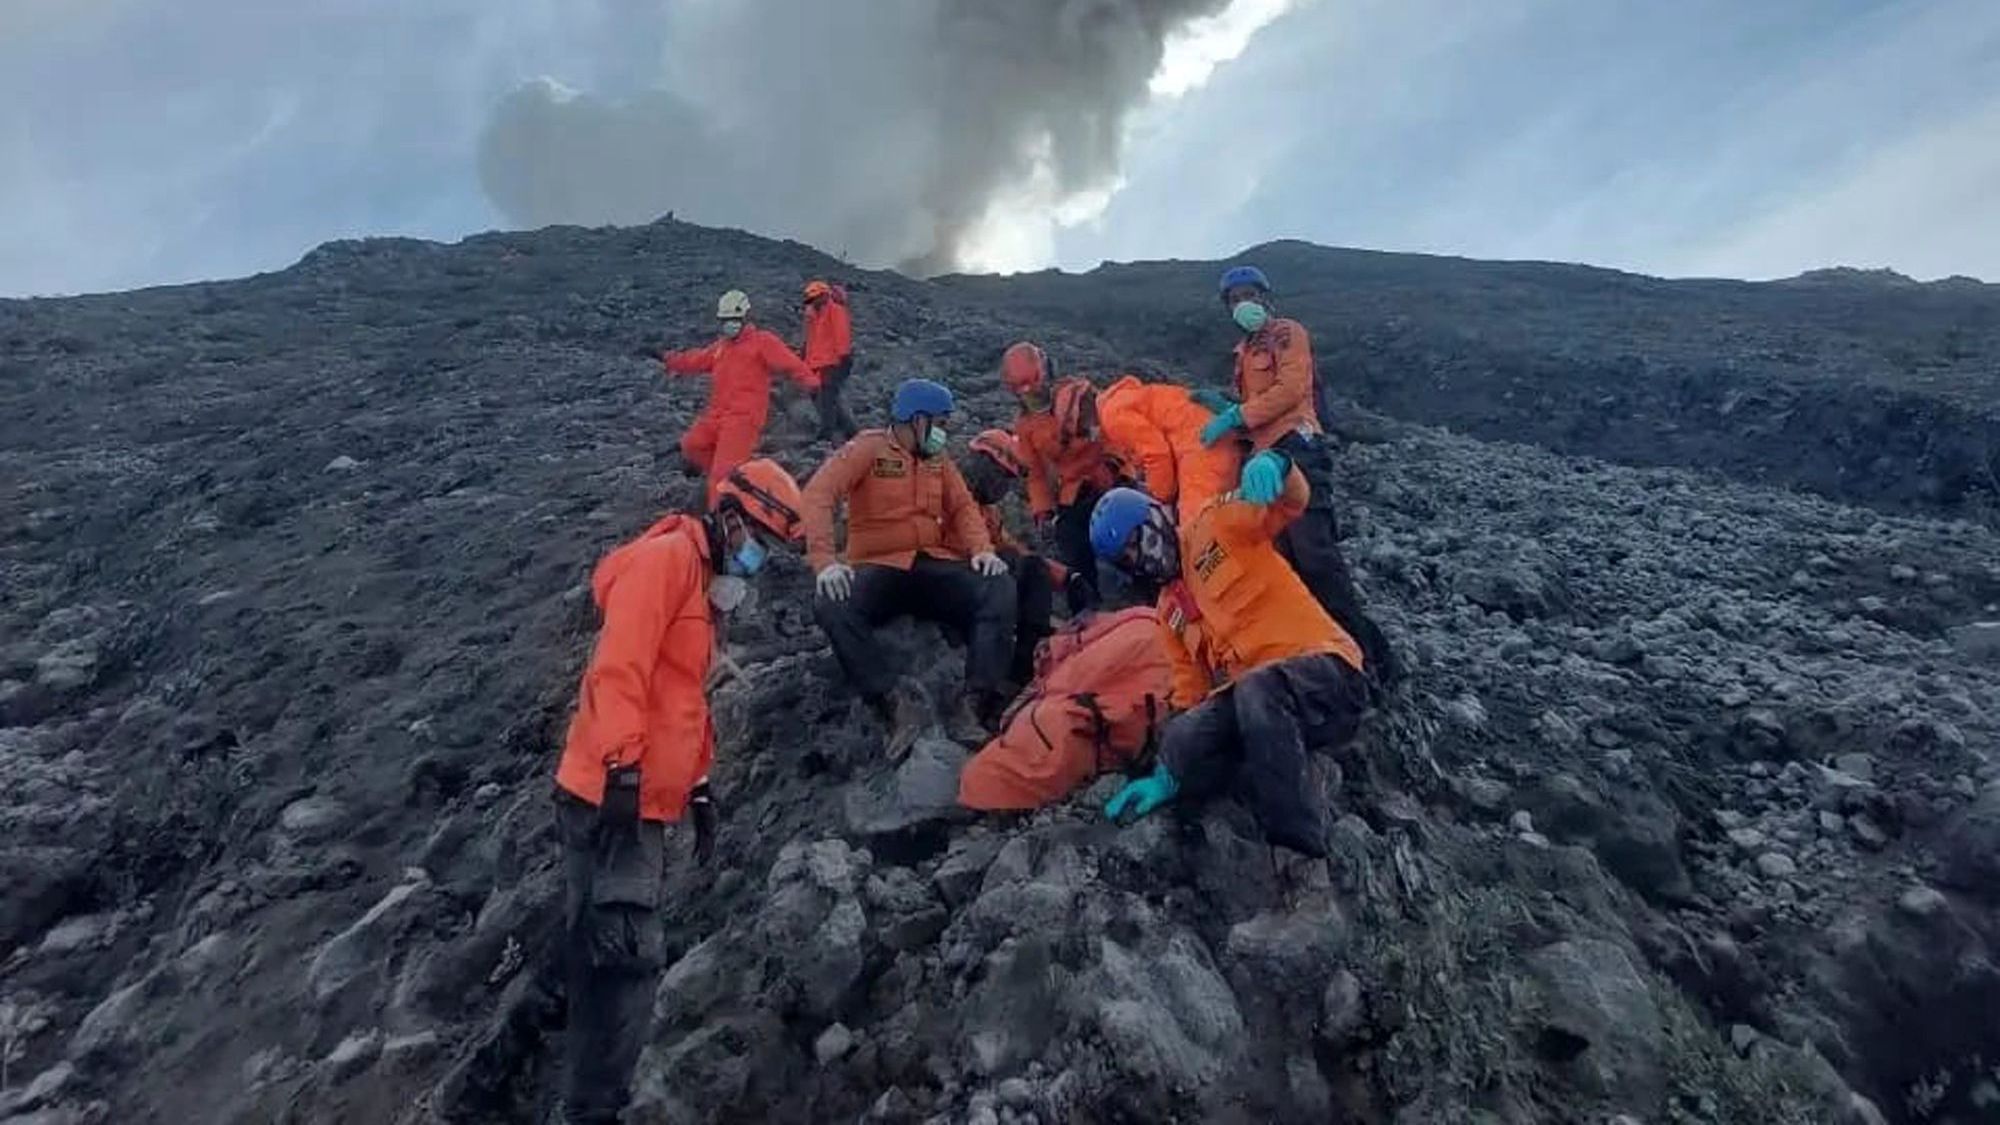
[[146, 142]]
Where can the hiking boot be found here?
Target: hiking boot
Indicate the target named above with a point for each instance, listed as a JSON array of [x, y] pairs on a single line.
[[904, 716], [1303, 881], [966, 726]]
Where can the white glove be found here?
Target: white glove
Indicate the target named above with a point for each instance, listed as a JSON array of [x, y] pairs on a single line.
[[836, 582], [989, 564]]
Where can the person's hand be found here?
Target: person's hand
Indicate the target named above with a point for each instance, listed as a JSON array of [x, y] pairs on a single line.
[[988, 565], [701, 810], [618, 812], [835, 582], [1219, 426], [1140, 797], [1263, 478]]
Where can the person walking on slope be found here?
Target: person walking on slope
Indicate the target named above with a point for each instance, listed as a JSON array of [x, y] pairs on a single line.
[[1066, 475], [990, 470], [637, 757], [829, 351], [1261, 674], [1277, 410], [1154, 430], [739, 365], [917, 547]]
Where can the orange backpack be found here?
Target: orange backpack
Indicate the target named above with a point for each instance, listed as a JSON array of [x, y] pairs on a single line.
[[1096, 704]]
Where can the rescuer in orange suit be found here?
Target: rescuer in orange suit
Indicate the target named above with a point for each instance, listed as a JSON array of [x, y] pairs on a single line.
[[916, 547], [990, 469], [637, 757], [1279, 409], [1261, 674], [739, 365], [1065, 475], [829, 351], [1153, 432]]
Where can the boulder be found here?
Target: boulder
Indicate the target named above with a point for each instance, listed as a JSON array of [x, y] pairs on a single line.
[[1599, 1023]]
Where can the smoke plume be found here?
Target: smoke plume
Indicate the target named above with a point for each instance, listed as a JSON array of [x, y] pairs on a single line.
[[881, 130]]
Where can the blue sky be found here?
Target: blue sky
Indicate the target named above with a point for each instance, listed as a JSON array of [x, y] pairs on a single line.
[[143, 141]]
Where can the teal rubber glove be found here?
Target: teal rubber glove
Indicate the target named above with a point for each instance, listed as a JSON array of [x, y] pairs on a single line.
[[1219, 426], [1263, 478], [1142, 796], [1216, 401]]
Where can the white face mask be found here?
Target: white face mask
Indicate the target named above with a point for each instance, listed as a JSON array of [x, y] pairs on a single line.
[[729, 593]]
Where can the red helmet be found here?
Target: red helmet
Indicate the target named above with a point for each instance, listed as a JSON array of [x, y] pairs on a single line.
[[1023, 367], [765, 492], [1003, 449], [1073, 397], [816, 289]]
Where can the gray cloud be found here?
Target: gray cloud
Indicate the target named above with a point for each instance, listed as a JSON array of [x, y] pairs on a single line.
[[879, 130]]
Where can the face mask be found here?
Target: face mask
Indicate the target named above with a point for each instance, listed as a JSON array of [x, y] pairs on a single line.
[[1249, 315], [731, 327], [1158, 546], [749, 558], [934, 439], [727, 592]]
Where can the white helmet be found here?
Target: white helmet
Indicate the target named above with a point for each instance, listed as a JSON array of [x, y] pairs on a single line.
[[734, 305]]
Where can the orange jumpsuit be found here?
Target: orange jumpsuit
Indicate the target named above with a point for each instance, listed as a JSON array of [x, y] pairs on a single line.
[[725, 434], [1155, 430], [1057, 469], [1238, 604], [643, 700], [1274, 380], [898, 506]]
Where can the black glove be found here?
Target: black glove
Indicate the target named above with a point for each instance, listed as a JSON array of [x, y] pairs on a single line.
[[619, 811], [701, 809]]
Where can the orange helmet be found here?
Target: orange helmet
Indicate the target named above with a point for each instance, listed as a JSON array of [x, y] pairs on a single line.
[[1073, 396], [1023, 367], [765, 492], [1003, 449], [816, 289]]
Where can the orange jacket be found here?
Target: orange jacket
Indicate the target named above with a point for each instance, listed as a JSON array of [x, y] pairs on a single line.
[[898, 504], [1274, 378], [739, 371], [1057, 469], [1238, 604], [643, 700], [1155, 429], [829, 334]]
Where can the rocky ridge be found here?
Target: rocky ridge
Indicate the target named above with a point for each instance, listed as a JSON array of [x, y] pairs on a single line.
[[1690, 814]]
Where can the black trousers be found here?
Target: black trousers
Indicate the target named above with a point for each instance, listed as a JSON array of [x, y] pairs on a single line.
[[1257, 735], [945, 591], [835, 421], [1072, 544], [1034, 601], [1311, 543], [614, 944]]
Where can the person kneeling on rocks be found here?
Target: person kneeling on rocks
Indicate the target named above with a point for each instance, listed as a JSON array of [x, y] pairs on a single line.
[[1261, 672], [911, 527], [637, 756], [990, 470]]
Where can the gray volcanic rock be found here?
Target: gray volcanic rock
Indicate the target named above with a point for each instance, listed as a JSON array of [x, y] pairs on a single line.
[[295, 599]]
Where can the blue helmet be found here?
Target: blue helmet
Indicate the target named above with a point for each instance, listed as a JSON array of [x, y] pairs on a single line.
[[1236, 276], [1117, 515], [920, 396]]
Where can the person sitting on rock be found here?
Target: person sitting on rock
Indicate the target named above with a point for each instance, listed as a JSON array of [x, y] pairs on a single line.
[[1277, 408], [1153, 430], [1261, 673], [637, 757], [829, 351], [739, 365], [1065, 475], [990, 470], [911, 527]]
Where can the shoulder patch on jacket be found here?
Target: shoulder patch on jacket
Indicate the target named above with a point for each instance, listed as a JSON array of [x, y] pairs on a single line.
[[1211, 557], [889, 465]]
